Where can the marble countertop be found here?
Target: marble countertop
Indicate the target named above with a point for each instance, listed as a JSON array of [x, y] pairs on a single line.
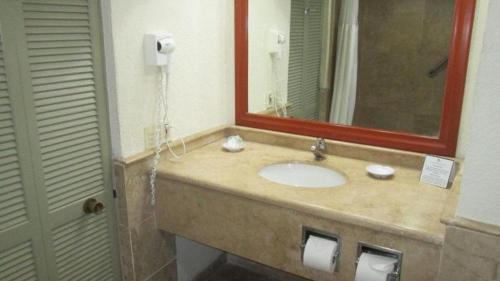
[[401, 206]]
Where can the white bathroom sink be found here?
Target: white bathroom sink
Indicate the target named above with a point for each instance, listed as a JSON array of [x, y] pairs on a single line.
[[302, 175]]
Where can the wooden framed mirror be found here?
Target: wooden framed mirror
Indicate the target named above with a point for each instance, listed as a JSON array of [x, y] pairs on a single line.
[[296, 59]]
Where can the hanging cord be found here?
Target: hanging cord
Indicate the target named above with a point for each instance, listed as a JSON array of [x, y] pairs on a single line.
[[279, 101], [158, 148], [162, 123], [166, 122]]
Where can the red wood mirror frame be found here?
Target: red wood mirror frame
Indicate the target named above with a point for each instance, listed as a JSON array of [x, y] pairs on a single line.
[[445, 144]]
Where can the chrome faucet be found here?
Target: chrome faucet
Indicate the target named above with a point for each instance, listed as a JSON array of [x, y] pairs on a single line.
[[319, 149]]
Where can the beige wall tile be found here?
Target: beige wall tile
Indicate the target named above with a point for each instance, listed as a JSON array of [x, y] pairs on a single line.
[[126, 258], [137, 193], [144, 250], [469, 255], [167, 273], [152, 248], [478, 244], [498, 272]]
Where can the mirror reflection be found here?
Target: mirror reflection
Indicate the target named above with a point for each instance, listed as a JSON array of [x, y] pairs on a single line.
[[367, 63]]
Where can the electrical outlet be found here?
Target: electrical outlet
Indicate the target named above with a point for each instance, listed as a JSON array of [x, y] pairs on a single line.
[[150, 137]]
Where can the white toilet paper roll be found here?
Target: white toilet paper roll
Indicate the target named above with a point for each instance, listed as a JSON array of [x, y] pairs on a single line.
[[374, 267], [319, 253]]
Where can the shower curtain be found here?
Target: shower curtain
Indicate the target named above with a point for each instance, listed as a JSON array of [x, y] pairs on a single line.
[[346, 68]]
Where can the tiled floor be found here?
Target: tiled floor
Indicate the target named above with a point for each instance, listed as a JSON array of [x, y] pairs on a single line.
[[231, 272]]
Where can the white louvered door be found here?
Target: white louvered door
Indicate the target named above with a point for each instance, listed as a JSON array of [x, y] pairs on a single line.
[[58, 48], [305, 57], [295, 69]]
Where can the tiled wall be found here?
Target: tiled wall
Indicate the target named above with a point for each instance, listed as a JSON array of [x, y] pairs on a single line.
[[470, 255], [400, 41], [147, 254]]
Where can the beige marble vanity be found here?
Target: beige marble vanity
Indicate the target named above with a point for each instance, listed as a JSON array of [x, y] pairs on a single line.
[[217, 198]]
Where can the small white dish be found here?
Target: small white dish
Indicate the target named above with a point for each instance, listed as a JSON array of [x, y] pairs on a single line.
[[380, 171], [234, 144], [232, 148]]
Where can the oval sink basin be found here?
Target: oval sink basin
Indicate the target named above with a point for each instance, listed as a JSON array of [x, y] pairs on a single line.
[[302, 175]]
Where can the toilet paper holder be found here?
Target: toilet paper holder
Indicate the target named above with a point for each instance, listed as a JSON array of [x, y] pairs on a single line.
[[308, 231], [383, 251]]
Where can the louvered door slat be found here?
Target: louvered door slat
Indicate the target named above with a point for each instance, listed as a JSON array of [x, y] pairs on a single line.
[[58, 44], [58, 37], [54, 16], [58, 72], [83, 3], [53, 8], [58, 79], [60, 57], [56, 23], [57, 30], [63, 99], [5, 112], [63, 85], [63, 93]]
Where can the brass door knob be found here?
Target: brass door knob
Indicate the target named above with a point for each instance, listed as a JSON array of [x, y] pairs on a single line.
[[92, 206]]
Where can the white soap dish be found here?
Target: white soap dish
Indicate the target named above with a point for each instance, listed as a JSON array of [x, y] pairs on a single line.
[[234, 144], [380, 171], [232, 148]]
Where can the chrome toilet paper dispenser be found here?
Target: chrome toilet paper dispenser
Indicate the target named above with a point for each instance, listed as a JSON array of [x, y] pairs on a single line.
[[395, 275], [308, 232]]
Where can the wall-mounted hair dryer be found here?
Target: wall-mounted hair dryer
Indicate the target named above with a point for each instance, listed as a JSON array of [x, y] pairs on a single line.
[[276, 41], [157, 48]]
